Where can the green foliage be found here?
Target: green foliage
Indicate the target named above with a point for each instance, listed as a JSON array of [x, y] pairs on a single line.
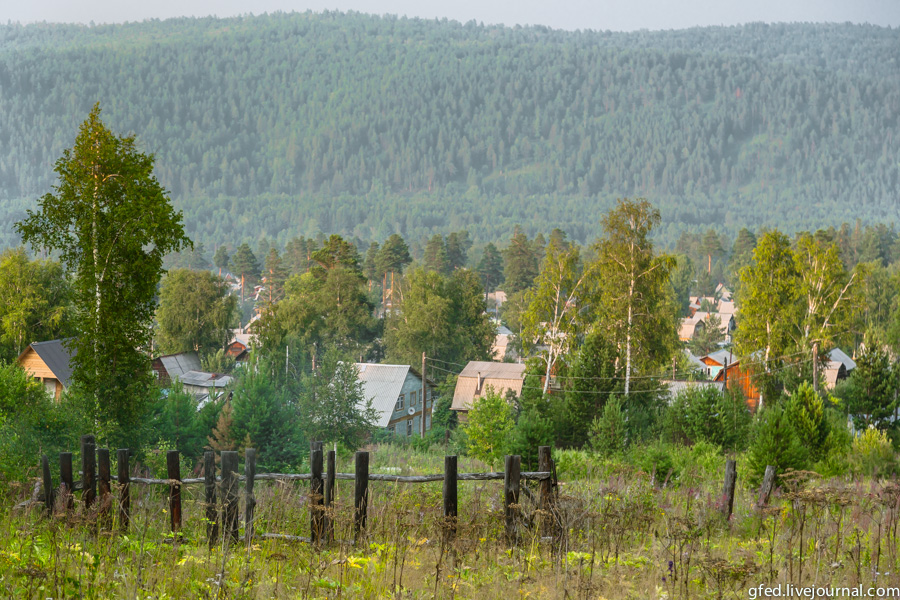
[[520, 263], [442, 316], [806, 413], [245, 264], [775, 442], [332, 407], [393, 256], [534, 427], [265, 416], [490, 268], [112, 224], [705, 414], [34, 302], [195, 312], [608, 434], [31, 424], [591, 378], [873, 454], [871, 392], [487, 427], [634, 305]]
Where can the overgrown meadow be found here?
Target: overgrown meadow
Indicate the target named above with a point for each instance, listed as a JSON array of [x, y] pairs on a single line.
[[618, 531]]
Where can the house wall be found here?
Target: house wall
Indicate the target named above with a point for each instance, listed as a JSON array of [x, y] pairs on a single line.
[[400, 418], [37, 368]]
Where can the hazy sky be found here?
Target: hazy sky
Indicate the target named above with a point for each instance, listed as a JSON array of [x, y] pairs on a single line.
[[616, 15]]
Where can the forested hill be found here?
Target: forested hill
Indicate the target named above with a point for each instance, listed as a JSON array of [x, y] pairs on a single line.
[[289, 124]]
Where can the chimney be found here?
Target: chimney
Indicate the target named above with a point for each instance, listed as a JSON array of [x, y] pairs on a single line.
[[478, 383]]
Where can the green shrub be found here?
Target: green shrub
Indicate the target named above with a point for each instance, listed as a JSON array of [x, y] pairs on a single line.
[[608, 431], [873, 454], [775, 442]]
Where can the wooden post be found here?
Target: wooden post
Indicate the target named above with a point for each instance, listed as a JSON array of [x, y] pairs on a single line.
[[511, 474], [450, 498], [544, 462], [329, 495], [230, 495], [88, 470], [249, 499], [48, 484], [728, 490], [173, 470], [423, 396], [316, 499], [104, 472], [124, 489], [360, 494], [209, 487], [768, 482], [65, 475]]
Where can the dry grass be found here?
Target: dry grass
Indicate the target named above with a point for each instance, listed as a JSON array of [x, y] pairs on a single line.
[[616, 536]]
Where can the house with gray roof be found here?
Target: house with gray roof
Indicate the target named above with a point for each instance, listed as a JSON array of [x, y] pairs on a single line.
[[396, 394], [50, 363]]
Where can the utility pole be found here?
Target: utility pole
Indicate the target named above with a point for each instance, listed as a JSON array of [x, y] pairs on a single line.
[[422, 424]]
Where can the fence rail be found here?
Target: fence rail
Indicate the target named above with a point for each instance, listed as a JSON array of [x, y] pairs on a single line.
[[222, 493]]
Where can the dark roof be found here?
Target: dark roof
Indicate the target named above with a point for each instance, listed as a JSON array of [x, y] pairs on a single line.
[[57, 358], [176, 365]]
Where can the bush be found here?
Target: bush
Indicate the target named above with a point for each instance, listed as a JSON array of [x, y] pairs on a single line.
[[656, 458], [704, 414], [775, 443], [608, 431], [873, 454], [488, 428]]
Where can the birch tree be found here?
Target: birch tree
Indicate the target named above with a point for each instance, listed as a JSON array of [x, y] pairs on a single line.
[[633, 303], [112, 224]]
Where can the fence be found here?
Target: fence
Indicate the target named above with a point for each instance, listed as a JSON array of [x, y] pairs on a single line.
[[222, 494]]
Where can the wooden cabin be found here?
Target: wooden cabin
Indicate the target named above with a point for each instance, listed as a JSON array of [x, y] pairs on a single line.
[[736, 378], [49, 363]]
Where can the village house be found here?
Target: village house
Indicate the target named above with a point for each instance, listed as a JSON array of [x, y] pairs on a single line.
[[837, 367], [49, 363], [186, 368], [396, 393], [479, 376], [501, 350]]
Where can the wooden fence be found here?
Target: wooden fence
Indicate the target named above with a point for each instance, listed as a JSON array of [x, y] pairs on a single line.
[[222, 494]]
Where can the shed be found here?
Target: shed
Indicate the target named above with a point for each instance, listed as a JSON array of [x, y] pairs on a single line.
[[172, 366]]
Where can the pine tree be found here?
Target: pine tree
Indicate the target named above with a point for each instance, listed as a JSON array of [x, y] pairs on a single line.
[[775, 443], [245, 263], [221, 259], [436, 255], [222, 437], [490, 268], [520, 263]]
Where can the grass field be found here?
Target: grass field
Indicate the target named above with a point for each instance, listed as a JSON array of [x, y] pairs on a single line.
[[620, 533]]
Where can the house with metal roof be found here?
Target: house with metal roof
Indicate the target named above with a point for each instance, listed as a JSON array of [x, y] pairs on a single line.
[[49, 363], [396, 393], [186, 368], [172, 366], [479, 376]]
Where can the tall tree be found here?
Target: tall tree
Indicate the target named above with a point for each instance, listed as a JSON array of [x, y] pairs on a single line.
[[195, 312], [458, 244], [520, 263], [244, 262], [393, 255], [435, 258], [634, 306], [276, 274], [112, 224], [556, 305], [767, 295], [221, 259], [490, 268]]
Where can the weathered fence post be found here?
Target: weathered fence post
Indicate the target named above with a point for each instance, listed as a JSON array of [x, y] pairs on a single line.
[[316, 499], [728, 490], [249, 498], [768, 482], [544, 464], [450, 498], [360, 494], [329, 496], [48, 484], [65, 476], [103, 470], [212, 511], [173, 471], [230, 495], [88, 470], [124, 489], [511, 474]]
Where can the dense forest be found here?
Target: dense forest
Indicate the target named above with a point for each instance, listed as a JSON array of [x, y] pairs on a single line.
[[293, 124]]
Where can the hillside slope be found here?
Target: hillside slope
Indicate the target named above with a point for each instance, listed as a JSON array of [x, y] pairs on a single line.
[[289, 124]]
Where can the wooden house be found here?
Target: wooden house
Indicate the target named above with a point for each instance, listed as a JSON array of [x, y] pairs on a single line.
[[479, 376], [734, 377], [396, 393], [172, 366], [49, 363]]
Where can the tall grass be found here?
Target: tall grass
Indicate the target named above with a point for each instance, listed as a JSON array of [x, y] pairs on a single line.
[[619, 532]]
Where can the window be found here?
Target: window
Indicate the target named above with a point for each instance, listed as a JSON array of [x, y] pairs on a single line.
[[399, 403], [409, 427], [412, 398]]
